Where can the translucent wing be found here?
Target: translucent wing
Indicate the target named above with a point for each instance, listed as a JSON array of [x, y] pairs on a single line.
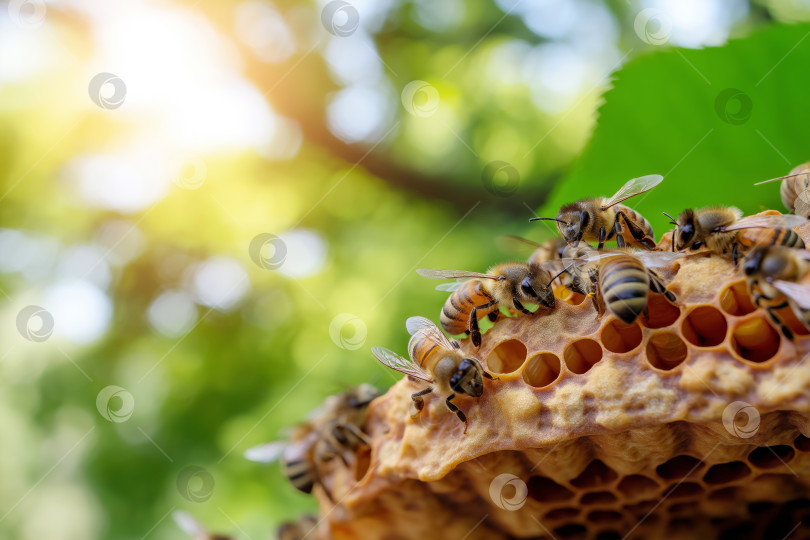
[[659, 258], [398, 363], [797, 292], [510, 242], [801, 206], [773, 221], [430, 330], [189, 525], [435, 273], [449, 287], [633, 187], [266, 453]]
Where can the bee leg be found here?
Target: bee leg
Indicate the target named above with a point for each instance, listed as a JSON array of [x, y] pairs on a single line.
[[475, 332], [493, 316], [418, 401], [356, 433], [778, 321], [520, 307], [602, 237], [735, 254], [489, 376], [593, 290], [456, 410], [657, 286], [617, 228]]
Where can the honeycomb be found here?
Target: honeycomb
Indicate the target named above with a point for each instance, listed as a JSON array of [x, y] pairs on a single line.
[[692, 422]]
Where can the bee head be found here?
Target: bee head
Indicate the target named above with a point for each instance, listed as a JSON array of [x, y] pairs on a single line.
[[753, 261], [572, 221], [536, 287], [684, 229], [468, 378], [361, 396], [774, 265]]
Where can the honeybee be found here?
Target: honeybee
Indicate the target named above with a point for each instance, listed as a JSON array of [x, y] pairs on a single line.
[[597, 219], [723, 229], [795, 190], [437, 360], [548, 254], [772, 273], [334, 431], [297, 530], [507, 284], [621, 279], [189, 525]]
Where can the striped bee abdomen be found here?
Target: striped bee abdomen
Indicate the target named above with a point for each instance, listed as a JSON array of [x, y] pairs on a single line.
[[458, 309], [623, 284]]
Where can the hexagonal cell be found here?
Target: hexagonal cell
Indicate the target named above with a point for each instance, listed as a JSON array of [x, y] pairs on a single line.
[[598, 497], [768, 457], [636, 485], [642, 507], [582, 354], [722, 473], [755, 340], [666, 350], [567, 295], [604, 516], [572, 530], [736, 300], [680, 467], [684, 489], [547, 490], [562, 513], [619, 337], [660, 312], [507, 356], [595, 474], [802, 443], [542, 370], [704, 326], [684, 507]]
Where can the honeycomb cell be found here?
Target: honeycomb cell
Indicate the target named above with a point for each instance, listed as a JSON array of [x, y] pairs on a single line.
[[547, 490], [619, 337], [660, 312], [582, 354], [562, 513], [755, 340], [542, 370], [684, 507], [802, 443], [722, 473], [736, 300], [604, 516], [572, 530], [704, 326], [636, 485], [666, 350], [679, 468], [642, 507], [595, 474], [598, 497], [684, 489], [768, 457], [725, 494], [507, 356]]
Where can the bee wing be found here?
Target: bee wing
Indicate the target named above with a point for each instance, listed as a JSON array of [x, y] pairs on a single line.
[[435, 273], [189, 524], [801, 206], [450, 287], [510, 242], [398, 363], [429, 329], [633, 187], [267, 453], [774, 221], [797, 292]]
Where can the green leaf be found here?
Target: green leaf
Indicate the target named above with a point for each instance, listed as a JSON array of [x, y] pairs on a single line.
[[712, 121]]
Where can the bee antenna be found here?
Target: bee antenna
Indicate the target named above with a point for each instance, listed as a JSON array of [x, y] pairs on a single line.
[[549, 219], [561, 272]]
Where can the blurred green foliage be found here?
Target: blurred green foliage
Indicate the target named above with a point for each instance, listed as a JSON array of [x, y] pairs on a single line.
[[409, 194]]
